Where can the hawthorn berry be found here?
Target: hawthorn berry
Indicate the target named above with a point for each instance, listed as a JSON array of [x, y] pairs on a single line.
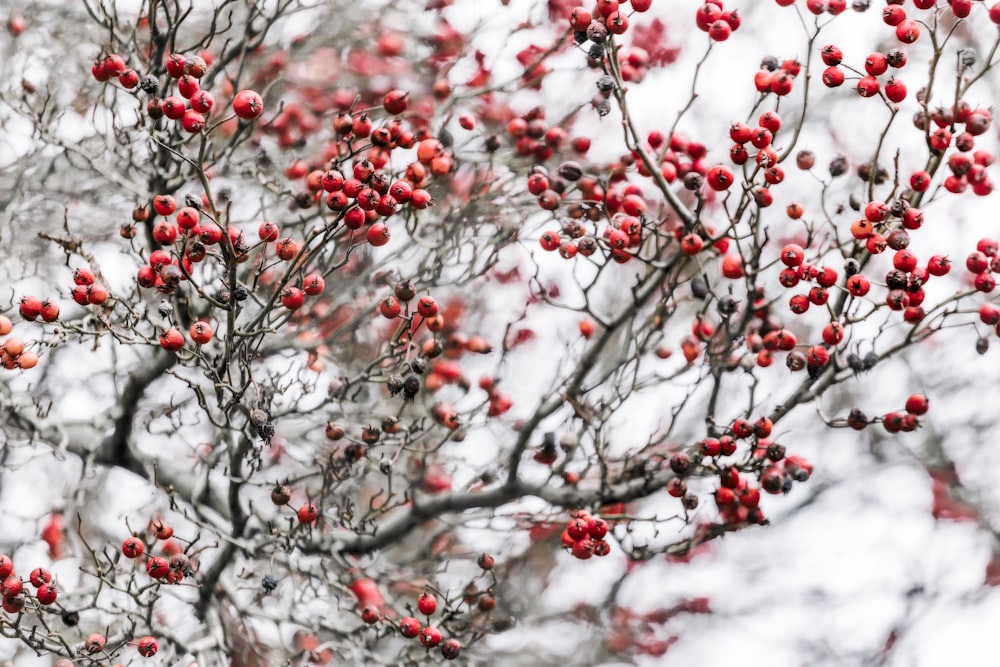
[[409, 627], [427, 306], [201, 333], [95, 643], [427, 603], [370, 614], [30, 307], [292, 298], [450, 649], [247, 104], [46, 594], [394, 102], [308, 513], [917, 404], [430, 636], [171, 340], [133, 547], [147, 646], [313, 284], [40, 576], [11, 586]]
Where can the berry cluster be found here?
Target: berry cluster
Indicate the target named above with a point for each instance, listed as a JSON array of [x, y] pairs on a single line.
[[12, 352], [86, 290], [718, 23], [14, 596], [584, 536]]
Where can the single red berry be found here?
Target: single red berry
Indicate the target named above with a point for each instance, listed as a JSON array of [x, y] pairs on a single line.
[[868, 86], [450, 649], [308, 513], [157, 567], [46, 594], [30, 307], [12, 586], [427, 603], [292, 298], [917, 404], [95, 643], [577, 528], [394, 101], [597, 528], [133, 547], [40, 576], [248, 105], [171, 340], [409, 627], [201, 333], [792, 255], [430, 636], [427, 306], [147, 646]]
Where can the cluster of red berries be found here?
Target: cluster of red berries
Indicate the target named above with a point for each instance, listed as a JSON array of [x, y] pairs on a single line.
[[368, 193], [779, 476], [12, 591], [86, 290], [584, 536], [776, 77], [608, 18], [95, 643], [760, 137], [818, 7], [967, 166], [894, 422], [308, 513], [410, 627], [31, 308], [681, 156], [718, 23], [736, 498], [12, 352], [191, 105], [113, 65], [170, 568]]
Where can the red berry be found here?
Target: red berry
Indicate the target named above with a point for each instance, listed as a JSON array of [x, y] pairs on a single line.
[[868, 86], [917, 404], [12, 586], [597, 528], [201, 333], [192, 121], [133, 547], [370, 614], [171, 340], [409, 627], [308, 513], [46, 594], [427, 306], [248, 105], [394, 102], [430, 636], [451, 648], [147, 646], [292, 298], [427, 603], [40, 576], [30, 307], [157, 567]]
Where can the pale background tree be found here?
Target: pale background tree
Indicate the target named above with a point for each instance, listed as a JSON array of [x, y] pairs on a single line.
[[590, 352]]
